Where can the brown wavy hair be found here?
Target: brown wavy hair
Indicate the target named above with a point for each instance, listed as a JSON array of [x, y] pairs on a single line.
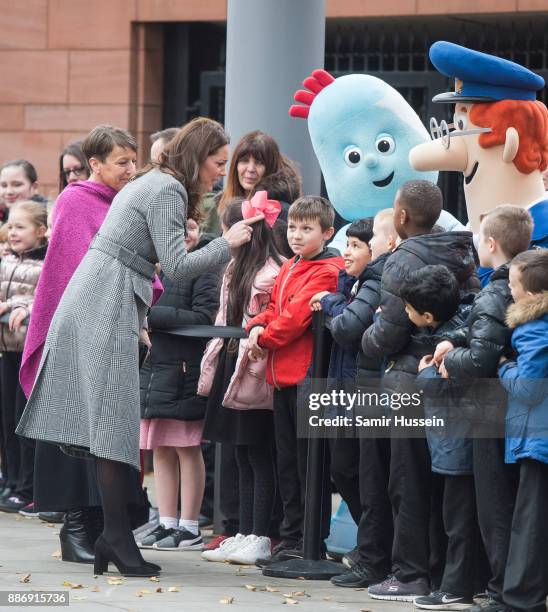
[[264, 149], [184, 155]]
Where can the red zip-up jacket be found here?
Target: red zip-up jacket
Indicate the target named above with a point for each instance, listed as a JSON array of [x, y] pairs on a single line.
[[287, 334]]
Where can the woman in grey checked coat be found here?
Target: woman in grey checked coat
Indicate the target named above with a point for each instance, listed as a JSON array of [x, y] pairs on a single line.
[[86, 394]]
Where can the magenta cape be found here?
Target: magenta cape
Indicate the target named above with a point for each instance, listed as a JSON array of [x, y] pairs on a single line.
[[78, 214]]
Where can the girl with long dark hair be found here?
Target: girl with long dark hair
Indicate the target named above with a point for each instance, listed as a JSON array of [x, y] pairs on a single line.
[[239, 410]]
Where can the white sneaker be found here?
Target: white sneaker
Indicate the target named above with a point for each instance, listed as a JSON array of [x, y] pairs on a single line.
[[226, 547], [252, 548]]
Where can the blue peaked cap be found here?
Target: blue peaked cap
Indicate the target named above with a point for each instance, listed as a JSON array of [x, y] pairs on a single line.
[[480, 77]]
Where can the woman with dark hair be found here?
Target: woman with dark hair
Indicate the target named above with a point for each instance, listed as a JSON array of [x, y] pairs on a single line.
[[86, 394], [73, 165], [257, 164], [239, 407]]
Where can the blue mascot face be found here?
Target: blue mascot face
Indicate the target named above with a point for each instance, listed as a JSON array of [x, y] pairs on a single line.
[[362, 130]]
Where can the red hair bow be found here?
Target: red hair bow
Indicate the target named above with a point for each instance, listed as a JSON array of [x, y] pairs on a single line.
[[260, 203]]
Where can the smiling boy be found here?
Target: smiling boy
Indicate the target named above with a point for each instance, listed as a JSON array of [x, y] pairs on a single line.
[[284, 330]]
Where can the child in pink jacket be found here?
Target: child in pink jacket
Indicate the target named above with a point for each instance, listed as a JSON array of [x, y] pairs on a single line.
[[239, 409]]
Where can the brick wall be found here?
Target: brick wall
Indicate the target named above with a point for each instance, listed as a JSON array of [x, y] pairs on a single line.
[[67, 65]]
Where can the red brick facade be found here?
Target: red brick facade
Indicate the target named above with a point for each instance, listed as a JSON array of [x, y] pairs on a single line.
[[68, 65]]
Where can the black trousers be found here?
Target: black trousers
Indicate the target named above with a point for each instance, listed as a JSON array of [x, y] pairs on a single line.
[[496, 489], [291, 454], [375, 527], [460, 522], [526, 577], [208, 452], [345, 471], [410, 490], [229, 490], [19, 451]]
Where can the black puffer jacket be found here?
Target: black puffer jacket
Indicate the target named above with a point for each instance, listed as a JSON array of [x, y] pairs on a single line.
[[486, 337], [169, 376], [390, 337]]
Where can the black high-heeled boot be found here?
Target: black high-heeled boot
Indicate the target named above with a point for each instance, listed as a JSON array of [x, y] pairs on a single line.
[[74, 537], [104, 554]]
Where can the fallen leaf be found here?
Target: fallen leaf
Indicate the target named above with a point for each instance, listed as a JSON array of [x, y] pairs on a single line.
[[327, 598], [115, 581], [226, 600], [25, 578], [296, 594], [365, 610], [291, 601], [95, 589], [159, 590], [301, 578], [154, 579], [361, 589], [173, 589], [145, 591], [72, 585], [250, 587], [272, 589], [56, 554], [50, 525]]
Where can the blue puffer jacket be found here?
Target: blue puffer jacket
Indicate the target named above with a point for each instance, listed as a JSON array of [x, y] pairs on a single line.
[[526, 381], [451, 444]]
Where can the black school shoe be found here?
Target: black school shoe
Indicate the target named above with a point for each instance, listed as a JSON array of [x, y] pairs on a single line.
[[358, 576], [352, 557], [440, 600], [13, 504], [284, 550]]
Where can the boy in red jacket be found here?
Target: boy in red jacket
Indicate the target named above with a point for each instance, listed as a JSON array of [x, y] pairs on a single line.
[[284, 330]]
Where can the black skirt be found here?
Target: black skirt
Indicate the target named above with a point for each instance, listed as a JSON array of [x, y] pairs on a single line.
[[228, 425]]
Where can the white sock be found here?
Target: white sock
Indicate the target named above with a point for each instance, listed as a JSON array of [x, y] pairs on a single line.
[[169, 522], [191, 526]]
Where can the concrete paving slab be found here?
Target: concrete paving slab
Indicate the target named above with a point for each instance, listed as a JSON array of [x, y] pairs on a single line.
[[29, 546]]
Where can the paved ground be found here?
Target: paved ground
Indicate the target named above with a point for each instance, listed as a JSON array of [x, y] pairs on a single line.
[[29, 549]]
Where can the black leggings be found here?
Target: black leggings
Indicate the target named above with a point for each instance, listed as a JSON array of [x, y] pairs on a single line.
[[257, 487]]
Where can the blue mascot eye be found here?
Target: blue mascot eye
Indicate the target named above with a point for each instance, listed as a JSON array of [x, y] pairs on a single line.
[[353, 157], [385, 144]]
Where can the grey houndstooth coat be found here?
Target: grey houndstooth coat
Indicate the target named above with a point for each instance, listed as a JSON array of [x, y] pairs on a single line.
[[86, 392]]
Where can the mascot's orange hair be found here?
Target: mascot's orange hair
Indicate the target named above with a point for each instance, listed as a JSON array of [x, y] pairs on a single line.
[[529, 118]]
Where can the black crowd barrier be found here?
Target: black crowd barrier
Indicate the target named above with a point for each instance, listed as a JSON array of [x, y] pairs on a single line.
[[311, 566]]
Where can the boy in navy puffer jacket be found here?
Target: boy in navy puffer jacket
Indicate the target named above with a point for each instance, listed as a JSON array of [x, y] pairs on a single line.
[[434, 304]]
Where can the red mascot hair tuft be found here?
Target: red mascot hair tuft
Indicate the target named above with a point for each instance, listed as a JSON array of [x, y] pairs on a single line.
[[529, 118]]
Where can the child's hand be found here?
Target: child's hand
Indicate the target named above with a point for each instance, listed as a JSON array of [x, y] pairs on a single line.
[[256, 354], [144, 338], [443, 370], [425, 362], [441, 350], [253, 340], [17, 316], [502, 360], [3, 308], [315, 301]]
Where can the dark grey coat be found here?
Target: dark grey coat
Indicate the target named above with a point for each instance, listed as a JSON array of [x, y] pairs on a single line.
[[86, 392]]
